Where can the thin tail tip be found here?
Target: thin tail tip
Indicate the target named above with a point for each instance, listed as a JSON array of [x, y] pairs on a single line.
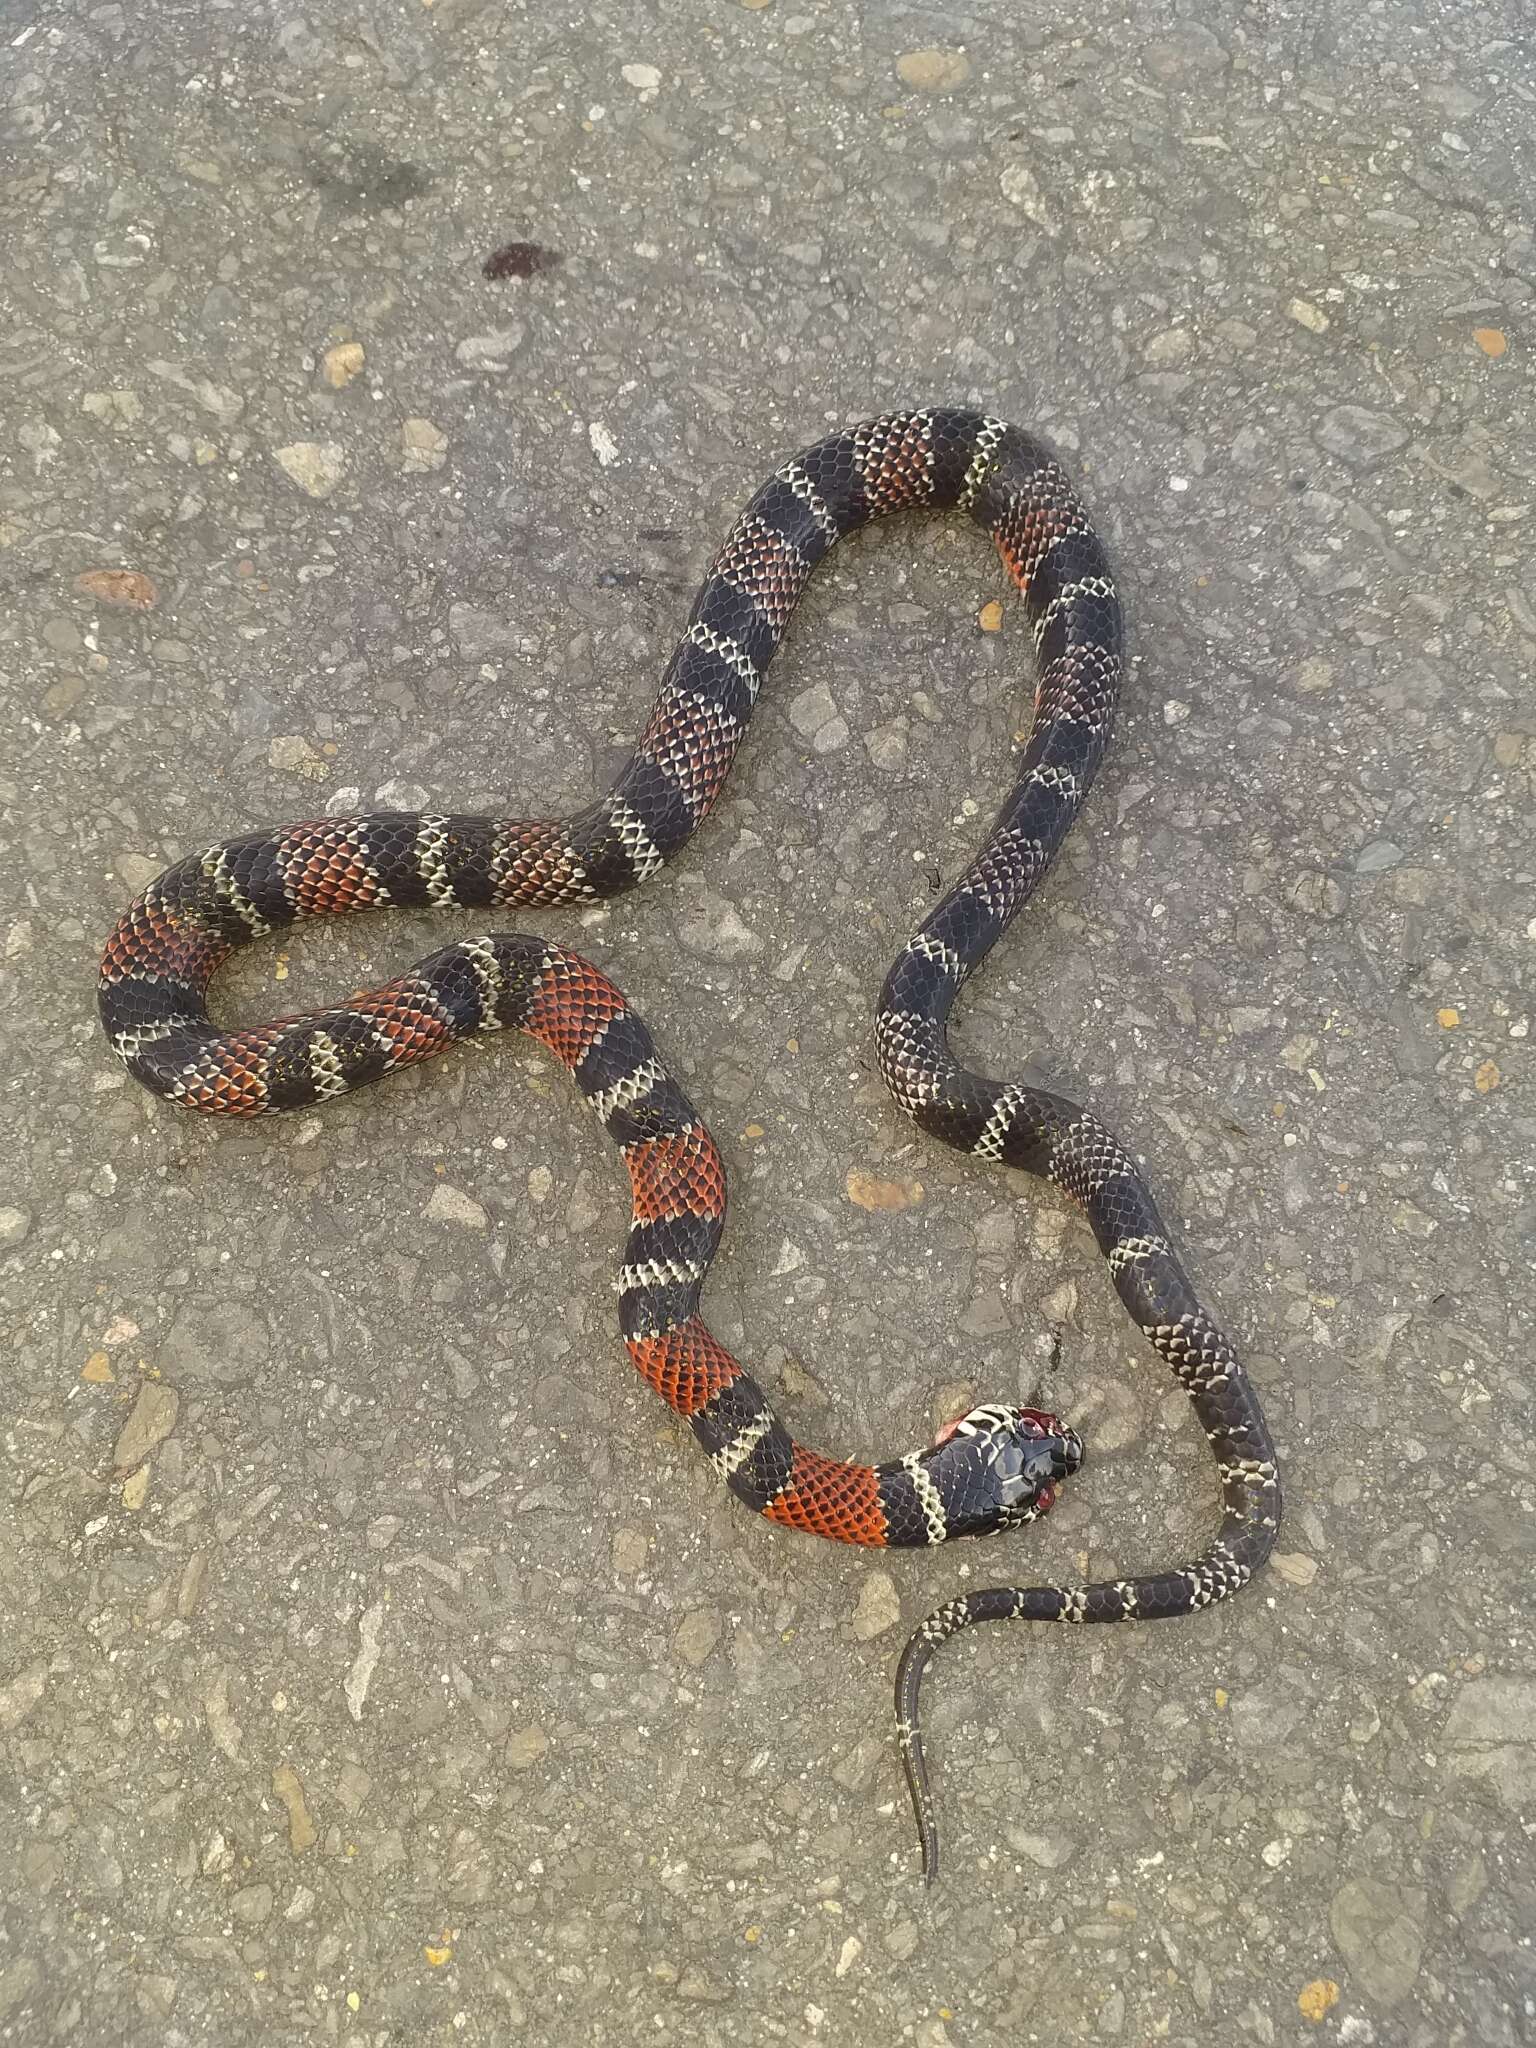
[[909, 1675]]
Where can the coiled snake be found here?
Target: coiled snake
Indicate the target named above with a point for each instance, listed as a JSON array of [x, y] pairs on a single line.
[[999, 1465]]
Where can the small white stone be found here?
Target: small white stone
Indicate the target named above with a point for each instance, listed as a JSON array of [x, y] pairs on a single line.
[[1174, 712], [364, 1664], [645, 78], [604, 447], [1021, 188]]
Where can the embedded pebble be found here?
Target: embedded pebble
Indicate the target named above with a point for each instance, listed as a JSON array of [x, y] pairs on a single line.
[[1358, 436], [1021, 188], [15, 1227], [712, 926], [423, 446], [19, 1695], [817, 719], [1376, 858], [448, 1204], [1379, 1929], [1305, 314], [353, 1785], [1174, 345], [317, 467], [401, 796], [114, 408], [222, 1725], [124, 589], [1108, 1415], [289, 1788], [878, 1608], [869, 1191], [492, 351], [292, 753], [342, 363], [524, 1748], [478, 633], [1294, 1567], [1049, 1851], [696, 1638], [370, 1639], [150, 1422], [1492, 1730], [933, 70]]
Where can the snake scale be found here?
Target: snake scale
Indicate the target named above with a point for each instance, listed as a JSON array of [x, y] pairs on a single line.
[[998, 1466]]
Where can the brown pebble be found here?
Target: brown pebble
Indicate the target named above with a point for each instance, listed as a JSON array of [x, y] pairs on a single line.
[[933, 70], [301, 1827], [129, 589]]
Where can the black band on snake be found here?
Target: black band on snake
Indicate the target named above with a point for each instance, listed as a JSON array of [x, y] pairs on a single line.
[[999, 1465]]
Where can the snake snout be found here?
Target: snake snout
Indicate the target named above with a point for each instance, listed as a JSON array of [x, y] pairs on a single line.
[[1046, 1435]]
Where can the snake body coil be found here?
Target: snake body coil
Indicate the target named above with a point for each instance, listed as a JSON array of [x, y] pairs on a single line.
[[998, 1466]]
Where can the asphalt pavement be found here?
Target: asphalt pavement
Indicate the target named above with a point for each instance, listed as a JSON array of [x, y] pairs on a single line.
[[379, 1662]]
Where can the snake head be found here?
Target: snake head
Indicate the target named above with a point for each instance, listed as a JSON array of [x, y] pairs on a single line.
[[999, 1466]]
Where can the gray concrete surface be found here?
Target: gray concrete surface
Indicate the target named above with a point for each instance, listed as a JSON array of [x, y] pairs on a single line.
[[380, 1663]]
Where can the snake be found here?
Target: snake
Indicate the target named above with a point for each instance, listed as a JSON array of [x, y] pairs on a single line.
[[1001, 1464]]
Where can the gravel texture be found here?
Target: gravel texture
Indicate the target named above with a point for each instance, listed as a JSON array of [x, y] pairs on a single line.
[[379, 1662]]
